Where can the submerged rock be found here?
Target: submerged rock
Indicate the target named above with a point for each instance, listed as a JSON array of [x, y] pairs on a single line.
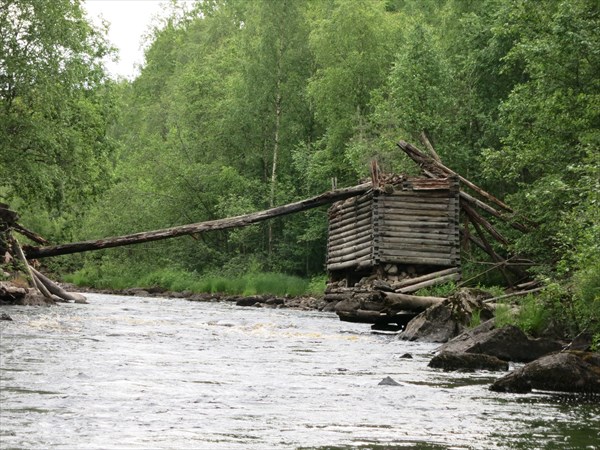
[[5, 316], [569, 371], [450, 361], [389, 381], [448, 319], [508, 343]]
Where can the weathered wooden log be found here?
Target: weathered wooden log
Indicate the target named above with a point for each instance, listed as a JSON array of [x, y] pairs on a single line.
[[351, 226], [348, 219], [349, 250], [403, 259], [438, 168], [18, 251], [358, 263], [357, 238], [56, 289], [351, 256], [351, 233], [427, 277], [429, 235], [427, 143], [434, 282], [404, 302], [183, 230], [29, 234], [513, 294], [485, 224]]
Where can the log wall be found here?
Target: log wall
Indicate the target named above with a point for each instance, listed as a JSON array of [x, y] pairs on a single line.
[[412, 223]]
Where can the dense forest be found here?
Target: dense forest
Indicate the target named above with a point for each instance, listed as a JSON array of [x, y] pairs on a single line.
[[246, 104]]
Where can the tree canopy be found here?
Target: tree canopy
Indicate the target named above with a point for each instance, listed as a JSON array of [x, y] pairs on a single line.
[[244, 104]]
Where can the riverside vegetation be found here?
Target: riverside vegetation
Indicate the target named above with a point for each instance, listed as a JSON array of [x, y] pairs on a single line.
[[241, 105]]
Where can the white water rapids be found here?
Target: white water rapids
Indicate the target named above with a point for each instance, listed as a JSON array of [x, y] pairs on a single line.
[[147, 373]]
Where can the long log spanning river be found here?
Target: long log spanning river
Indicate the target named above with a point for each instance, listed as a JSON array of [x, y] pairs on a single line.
[[147, 373]]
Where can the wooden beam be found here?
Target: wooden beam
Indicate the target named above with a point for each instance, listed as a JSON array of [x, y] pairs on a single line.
[[183, 230]]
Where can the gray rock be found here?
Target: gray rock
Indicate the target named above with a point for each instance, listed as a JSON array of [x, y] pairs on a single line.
[[449, 361], [568, 371], [5, 316], [508, 343], [448, 319], [389, 381]]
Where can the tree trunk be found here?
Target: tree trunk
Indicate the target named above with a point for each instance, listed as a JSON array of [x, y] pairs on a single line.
[[183, 230]]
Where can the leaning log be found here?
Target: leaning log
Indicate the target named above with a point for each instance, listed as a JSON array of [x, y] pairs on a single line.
[[183, 230], [57, 290]]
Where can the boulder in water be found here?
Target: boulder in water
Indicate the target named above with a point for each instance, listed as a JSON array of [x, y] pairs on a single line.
[[450, 361], [569, 371], [508, 343]]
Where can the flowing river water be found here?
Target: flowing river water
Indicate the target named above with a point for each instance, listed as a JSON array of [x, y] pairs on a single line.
[[148, 373]]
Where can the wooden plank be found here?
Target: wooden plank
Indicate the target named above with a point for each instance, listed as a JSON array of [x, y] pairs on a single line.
[[344, 213]]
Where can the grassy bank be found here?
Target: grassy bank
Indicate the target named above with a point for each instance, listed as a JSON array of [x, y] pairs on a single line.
[[180, 281]]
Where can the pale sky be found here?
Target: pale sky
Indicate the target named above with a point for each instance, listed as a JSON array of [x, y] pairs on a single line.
[[129, 21]]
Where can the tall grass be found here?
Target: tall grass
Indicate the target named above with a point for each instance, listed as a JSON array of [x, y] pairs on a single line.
[[107, 277]]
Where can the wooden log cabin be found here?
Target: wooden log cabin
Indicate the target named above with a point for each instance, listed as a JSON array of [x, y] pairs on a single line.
[[395, 231]]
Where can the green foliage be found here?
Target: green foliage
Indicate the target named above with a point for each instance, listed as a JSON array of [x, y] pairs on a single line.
[[246, 104], [503, 315], [114, 276], [475, 319], [533, 315], [55, 103]]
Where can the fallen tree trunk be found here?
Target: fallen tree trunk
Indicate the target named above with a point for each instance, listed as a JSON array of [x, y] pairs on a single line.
[[219, 224], [57, 290], [433, 282], [403, 302]]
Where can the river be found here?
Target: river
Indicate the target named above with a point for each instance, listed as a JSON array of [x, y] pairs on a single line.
[[148, 373]]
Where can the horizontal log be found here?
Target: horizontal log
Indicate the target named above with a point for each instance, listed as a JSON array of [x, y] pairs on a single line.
[[404, 302], [386, 251], [336, 234], [359, 262], [352, 203], [434, 282], [351, 256], [219, 224], [389, 216], [341, 212], [385, 224], [427, 247], [397, 259], [357, 238], [358, 242], [448, 235], [423, 197], [354, 249], [391, 242], [350, 219], [352, 226], [429, 276], [437, 206]]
